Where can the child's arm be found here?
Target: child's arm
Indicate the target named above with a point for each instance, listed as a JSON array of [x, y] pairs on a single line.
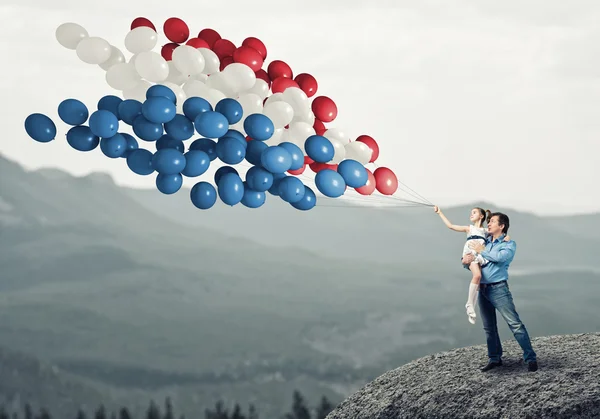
[[462, 229]]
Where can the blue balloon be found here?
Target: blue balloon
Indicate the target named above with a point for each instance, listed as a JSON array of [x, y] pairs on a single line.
[[254, 152], [140, 161], [180, 128], [223, 170], [236, 134], [231, 109], [252, 198], [291, 189], [166, 141], [330, 183], [159, 109], [40, 127], [114, 146], [230, 188], [159, 90], [110, 103], [319, 148], [259, 127], [354, 174], [203, 195], [259, 179], [146, 130], [277, 178], [168, 161], [73, 112], [207, 145], [276, 159], [81, 138], [211, 124], [296, 153], [169, 184], [308, 201], [132, 144], [230, 151], [197, 162], [130, 109], [194, 106], [104, 123]]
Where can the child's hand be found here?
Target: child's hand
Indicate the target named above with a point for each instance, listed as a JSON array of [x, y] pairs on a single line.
[[436, 209], [507, 238]]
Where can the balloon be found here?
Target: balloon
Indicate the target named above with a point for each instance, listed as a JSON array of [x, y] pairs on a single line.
[[70, 34], [291, 189], [211, 61], [211, 124], [129, 109], [280, 113], [307, 83], [296, 153], [151, 66], [197, 43], [386, 181], [160, 90], [180, 95], [372, 144], [180, 128], [140, 162], [369, 187], [262, 74], [122, 76], [142, 21], [175, 76], [237, 135], [260, 88], [207, 145], [251, 103], [197, 162], [146, 130], [193, 106], [358, 151], [166, 141], [169, 184], [330, 183], [110, 103], [210, 36], [168, 161], [281, 84], [299, 132], [138, 92], [319, 127], [324, 109], [223, 48], [230, 150], [239, 76], [276, 159], [159, 110], [223, 170], [93, 50], [308, 201], [114, 146], [278, 68], [188, 60], [317, 167], [81, 138], [167, 50], [231, 189], [203, 195], [248, 56], [277, 178], [319, 148], [354, 174], [253, 199], [254, 152], [257, 45], [297, 100], [73, 112], [259, 179], [104, 123], [231, 109], [259, 127], [176, 30], [298, 171], [116, 57], [131, 144], [141, 39]]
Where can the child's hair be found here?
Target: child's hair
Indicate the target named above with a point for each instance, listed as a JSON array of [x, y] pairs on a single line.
[[486, 214]]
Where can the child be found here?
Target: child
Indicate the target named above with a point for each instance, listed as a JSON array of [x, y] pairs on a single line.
[[475, 232]]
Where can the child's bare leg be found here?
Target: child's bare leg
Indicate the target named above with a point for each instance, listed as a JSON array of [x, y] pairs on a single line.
[[473, 288]]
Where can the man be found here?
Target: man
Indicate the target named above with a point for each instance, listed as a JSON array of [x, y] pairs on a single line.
[[494, 293]]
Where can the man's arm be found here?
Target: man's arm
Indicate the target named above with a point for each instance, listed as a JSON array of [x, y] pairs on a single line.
[[501, 255]]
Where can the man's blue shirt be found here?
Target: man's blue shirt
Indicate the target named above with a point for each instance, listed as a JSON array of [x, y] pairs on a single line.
[[499, 254]]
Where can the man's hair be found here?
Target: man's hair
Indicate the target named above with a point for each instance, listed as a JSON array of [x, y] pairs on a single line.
[[502, 220]]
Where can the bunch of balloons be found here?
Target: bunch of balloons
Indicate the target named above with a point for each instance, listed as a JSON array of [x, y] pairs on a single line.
[[223, 92]]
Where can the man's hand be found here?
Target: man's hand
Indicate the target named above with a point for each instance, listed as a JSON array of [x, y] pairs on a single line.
[[467, 259], [477, 247]]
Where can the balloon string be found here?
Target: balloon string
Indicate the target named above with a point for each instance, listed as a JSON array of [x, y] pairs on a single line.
[[412, 192]]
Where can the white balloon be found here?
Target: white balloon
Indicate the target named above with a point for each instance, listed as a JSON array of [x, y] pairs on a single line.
[[211, 61], [280, 113], [261, 88], [275, 138], [201, 77], [359, 151], [141, 39], [299, 132], [152, 66], [176, 76], [138, 92], [179, 94], [116, 57], [339, 151], [275, 97], [239, 76], [251, 103], [220, 82], [298, 99], [93, 50], [188, 60], [306, 116], [336, 134], [70, 34], [122, 76], [195, 88]]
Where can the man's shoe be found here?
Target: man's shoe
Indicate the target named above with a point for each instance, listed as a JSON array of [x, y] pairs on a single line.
[[491, 365], [532, 366]]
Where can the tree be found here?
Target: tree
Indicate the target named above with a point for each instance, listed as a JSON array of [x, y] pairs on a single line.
[[219, 413], [3, 413], [81, 414], [252, 412], [168, 409], [299, 409], [100, 413], [44, 414], [28, 411], [124, 413], [153, 411], [237, 412], [325, 408]]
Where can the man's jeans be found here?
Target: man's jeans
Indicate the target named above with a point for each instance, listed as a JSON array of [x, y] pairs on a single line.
[[494, 297]]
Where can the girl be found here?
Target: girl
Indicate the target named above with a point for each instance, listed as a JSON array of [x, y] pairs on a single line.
[[475, 232]]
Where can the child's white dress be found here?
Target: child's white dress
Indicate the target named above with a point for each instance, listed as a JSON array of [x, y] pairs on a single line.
[[476, 234]]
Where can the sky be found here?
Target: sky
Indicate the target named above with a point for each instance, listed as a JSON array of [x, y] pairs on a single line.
[[469, 100]]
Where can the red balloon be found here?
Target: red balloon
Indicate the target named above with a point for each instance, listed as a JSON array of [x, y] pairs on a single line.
[[197, 43], [308, 160], [386, 181], [278, 69], [257, 45], [142, 21], [369, 187], [324, 109], [176, 30], [225, 62], [319, 127], [248, 56], [297, 171], [167, 50], [317, 167], [307, 83], [210, 36], [372, 144], [223, 48], [262, 74], [248, 138], [282, 83]]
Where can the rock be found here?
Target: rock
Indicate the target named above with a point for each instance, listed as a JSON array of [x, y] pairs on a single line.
[[450, 384]]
